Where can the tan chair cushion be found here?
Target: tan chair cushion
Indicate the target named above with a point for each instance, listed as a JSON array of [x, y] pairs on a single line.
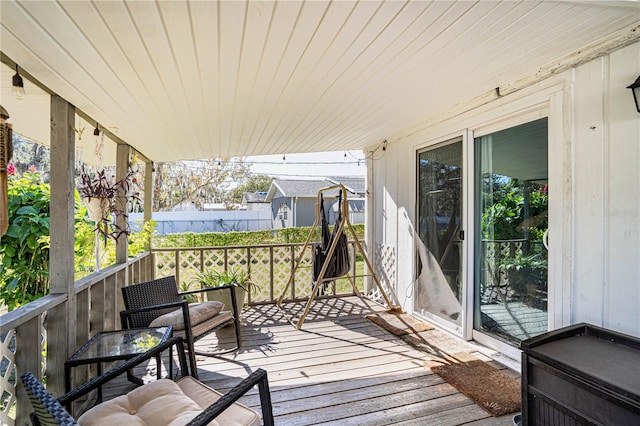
[[198, 312], [158, 403], [237, 414]]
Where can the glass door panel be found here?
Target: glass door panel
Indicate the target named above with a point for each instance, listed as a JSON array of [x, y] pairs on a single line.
[[511, 230], [439, 285]]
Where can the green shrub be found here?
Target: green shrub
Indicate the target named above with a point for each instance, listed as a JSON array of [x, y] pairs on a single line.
[[83, 247], [140, 242], [24, 250], [249, 238], [24, 267]]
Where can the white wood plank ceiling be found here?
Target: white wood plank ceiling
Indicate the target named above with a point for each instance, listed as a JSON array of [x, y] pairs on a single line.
[[205, 79]]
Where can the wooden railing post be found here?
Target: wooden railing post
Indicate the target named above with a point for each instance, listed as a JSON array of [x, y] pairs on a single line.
[[122, 168], [148, 190], [60, 330]]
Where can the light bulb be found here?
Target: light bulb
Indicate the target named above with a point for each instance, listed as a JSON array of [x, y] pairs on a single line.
[[18, 85]]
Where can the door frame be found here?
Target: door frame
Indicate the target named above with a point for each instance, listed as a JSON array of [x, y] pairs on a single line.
[[441, 322], [552, 109], [551, 102]]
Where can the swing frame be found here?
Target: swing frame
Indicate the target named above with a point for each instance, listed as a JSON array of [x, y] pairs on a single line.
[[344, 223]]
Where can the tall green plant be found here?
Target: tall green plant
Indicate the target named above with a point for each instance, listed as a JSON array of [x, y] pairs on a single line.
[[24, 250]]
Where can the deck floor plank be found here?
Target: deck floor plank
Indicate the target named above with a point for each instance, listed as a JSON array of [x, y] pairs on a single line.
[[340, 369]]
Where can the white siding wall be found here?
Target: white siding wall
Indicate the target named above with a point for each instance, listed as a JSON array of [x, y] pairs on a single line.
[[595, 130], [606, 283]]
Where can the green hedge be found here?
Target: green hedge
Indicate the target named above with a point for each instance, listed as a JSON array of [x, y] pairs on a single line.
[[220, 239]]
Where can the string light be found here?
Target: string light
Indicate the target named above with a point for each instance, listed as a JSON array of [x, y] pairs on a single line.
[[18, 85]]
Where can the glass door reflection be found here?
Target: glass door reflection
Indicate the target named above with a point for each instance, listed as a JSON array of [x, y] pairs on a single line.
[[512, 202]]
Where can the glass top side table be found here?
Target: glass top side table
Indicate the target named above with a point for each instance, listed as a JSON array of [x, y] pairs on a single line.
[[117, 345]]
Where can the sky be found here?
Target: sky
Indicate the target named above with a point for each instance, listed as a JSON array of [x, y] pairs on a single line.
[[319, 164]]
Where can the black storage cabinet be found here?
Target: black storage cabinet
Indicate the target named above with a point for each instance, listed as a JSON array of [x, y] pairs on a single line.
[[581, 374]]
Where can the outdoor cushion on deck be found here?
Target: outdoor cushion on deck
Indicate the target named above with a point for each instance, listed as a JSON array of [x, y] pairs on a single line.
[[166, 402], [198, 313], [161, 403]]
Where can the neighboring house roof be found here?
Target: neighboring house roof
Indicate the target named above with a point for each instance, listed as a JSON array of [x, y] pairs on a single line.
[[309, 188], [355, 185], [254, 197]]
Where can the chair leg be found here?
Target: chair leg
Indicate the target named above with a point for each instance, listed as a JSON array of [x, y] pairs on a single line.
[[192, 359], [265, 402], [236, 324], [171, 363], [159, 366]]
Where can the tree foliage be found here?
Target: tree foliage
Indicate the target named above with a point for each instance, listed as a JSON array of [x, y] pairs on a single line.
[[196, 182], [253, 183], [29, 155]]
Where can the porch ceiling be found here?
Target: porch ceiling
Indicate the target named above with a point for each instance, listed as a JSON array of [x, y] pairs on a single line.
[[203, 79]]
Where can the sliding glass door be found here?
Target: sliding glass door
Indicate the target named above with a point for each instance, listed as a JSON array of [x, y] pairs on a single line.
[[511, 234], [439, 285]]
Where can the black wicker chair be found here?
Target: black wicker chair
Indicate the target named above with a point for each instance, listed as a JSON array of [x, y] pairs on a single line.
[[158, 303], [50, 411]]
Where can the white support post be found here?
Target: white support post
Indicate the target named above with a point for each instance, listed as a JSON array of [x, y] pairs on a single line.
[[370, 222]]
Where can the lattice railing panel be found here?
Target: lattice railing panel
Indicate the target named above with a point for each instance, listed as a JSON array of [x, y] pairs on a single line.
[[8, 370], [304, 273], [165, 263], [268, 266], [261, 273], [212, 260], [238, 258], [215, 259], [8, 376], [190, 265], [385, 259]]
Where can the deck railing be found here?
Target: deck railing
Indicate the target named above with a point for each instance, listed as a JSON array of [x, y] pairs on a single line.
[[269, 266], [26, 346]]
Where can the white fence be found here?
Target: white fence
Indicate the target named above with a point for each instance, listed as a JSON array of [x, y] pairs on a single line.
[[206, 221]]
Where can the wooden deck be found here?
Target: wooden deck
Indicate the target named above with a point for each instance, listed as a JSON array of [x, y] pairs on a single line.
[[342, 369]]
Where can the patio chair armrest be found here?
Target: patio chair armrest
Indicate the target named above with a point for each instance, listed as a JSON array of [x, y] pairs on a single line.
[[258, 377], [200, 290], [126, 314], [96, 382]]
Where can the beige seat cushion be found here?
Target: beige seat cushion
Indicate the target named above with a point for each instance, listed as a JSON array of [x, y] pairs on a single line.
[[237, 414], [158, 403], [198, 313]]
